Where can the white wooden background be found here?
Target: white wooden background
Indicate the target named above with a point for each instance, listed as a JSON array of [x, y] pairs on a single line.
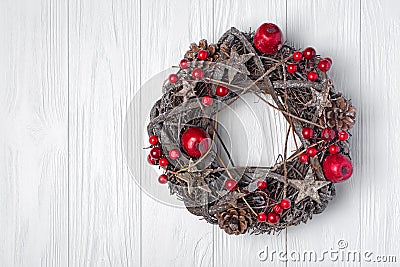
[[68, 71]]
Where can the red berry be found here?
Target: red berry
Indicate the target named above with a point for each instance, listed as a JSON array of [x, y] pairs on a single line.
[[297, 56], [231, 185], [173, 78], [309, 53], [278, 209], [311, 151], [343, 136], [184, 63], [162, 179], [337, 168], [163, 162], [153, 140], [195, 141], [268, 38], [285, 203], [312, 76], [273, 218], [261, 185], [174, 154], [202, 55], [151, 160], [155, 152], [303, 157], [261, 217], [207, 100], [307, 133], [334, 149], [328, 134], [221, 90], [197, 73], [291, 68], [324, 65], [329, 59]]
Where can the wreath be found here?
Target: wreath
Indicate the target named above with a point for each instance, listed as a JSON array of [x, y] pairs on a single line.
[[185, 141]]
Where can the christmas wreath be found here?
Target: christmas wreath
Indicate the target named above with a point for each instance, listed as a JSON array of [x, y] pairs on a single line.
[[185, 143]]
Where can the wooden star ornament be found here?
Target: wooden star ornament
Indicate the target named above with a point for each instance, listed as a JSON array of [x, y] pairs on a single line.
[[308, 187], [319, 100], [236, 63], [195, 180]]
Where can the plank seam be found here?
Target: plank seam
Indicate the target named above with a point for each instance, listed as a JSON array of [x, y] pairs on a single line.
[[68, 135], [140, 178], [359, 92]]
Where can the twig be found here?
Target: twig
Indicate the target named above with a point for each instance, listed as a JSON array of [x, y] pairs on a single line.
[[287, 113]]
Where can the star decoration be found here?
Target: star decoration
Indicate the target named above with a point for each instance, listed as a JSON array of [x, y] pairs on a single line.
[[308, 187], [319, 100], [236, 63], [195, 180]]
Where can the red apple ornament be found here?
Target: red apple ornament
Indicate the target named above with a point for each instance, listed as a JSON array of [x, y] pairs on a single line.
[[337, 168], [268, 38], [195, 141]]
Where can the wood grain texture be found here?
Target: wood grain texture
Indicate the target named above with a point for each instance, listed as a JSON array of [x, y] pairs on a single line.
[[380, 213], [105, 203], [34, 121], [69, 71]]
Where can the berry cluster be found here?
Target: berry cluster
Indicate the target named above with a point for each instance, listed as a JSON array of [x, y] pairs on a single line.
[[309, 57], [220, 91], [273, 217], [198, 74], [156, 157], [337, 167], [193, 137]]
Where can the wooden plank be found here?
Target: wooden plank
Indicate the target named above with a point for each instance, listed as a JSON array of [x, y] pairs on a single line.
[[263, 126], [114, 48], [171, 236], [104, 64], [380, 213], [333, 28], [33, 119]]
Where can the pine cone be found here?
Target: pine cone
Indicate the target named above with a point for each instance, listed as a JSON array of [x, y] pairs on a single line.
[[341, 115], [194, 48], [234, 221]]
